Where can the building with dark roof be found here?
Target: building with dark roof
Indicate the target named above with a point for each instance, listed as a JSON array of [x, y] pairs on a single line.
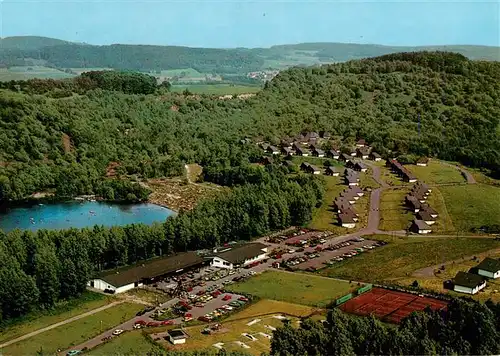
[[241, 255], [363, 152], [360, 167], [489, 267], [420, 227], [126, 278], [317, 152], [332, 154], [426, 217], [177, 336], [375, 156], [414, 204], [361, 143], [468, 283], [427, 208], [332, 171], [347, 220], [423, 161], [273, 150]]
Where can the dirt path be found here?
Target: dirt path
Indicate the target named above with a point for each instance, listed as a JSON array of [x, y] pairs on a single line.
[[53, 326], [429, 271]]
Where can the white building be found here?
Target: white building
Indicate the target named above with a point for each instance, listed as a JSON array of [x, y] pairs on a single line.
[[177, 336], [124, 279], [242, 255], [489, 268], [468, 283]]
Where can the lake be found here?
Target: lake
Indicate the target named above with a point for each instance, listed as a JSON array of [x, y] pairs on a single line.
[[79, 214]]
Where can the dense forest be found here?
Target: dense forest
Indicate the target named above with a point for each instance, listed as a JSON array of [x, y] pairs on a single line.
[[38, 269], [467, 328], [434, 104]]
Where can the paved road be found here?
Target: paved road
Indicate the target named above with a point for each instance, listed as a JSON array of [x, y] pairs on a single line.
[[53, 326]]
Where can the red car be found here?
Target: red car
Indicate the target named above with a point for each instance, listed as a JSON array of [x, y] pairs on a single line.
[[140, 322], [243, 299], [153, 324], [167, 322], [226, 297], [201, 292]]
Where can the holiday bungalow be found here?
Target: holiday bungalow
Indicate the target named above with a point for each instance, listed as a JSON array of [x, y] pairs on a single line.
[[428, 209], [344, 157], [489, 268], [361, 143], [332, 171], [347, 220], [375, 156], [316, 152], [423, 161], [413, 203], [266, 160], [426, 217], [273, 150], [124, 279], [420, 227], [468, 283], [239, 256], [324, 134], [357, 190], [363, 152], [360, 167], [332, 154], [287, 151], [299, 151]]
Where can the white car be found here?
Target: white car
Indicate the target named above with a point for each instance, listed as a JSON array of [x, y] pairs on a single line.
[[117, 332]]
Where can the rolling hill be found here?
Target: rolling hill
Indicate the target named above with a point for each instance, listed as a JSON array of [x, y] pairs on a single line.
[[28, 50]]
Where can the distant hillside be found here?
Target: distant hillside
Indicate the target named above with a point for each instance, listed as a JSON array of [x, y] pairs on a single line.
[[27, 43], [20, 51]]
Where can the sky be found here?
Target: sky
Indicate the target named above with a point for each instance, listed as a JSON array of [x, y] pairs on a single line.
[[257, 23]]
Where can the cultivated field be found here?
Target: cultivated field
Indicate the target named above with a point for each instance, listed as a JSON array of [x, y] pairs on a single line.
[[404, 255], [437, 173], [472, 206], [74, 333], [294, 288], [38, 320], [25, 73]]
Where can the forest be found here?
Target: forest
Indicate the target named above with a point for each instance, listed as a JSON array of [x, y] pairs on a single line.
[[467, 327], [39, 269]]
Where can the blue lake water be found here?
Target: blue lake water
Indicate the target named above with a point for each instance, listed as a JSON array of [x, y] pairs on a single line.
[[81, 214]]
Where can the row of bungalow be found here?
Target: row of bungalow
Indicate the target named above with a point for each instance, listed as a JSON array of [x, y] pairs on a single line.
[[401, 171], [351, 177], [343, 205], [416, 200], [473, 281]]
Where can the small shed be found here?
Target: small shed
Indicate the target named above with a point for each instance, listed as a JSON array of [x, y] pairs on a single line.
[[177, 336], [375, 156], [426, 217], [331, 171], [420, 227], [423, 161], [316, 152]]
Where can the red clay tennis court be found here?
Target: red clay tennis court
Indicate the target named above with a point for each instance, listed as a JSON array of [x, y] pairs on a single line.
[[388, 305]]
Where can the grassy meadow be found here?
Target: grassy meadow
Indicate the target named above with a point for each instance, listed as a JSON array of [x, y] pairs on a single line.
[[393, 213], [404, 255], [472, 206], [74, 333], [437, 173], [25, 73], [294, 288]]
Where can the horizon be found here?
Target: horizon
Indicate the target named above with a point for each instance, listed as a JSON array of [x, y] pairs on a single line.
[[265, 47], [257, 24]]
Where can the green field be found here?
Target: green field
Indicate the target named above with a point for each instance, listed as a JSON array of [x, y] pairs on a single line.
[[393, 214], [324, 217], [129, 343], [404, 255], [74, 333], [217, 89], [184, 73], [38, 320], [24, 73], [472, 206], [294, 288], [437, 173]]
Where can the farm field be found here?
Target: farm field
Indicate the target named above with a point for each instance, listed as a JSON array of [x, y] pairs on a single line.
[[38, 320], [393, 214], [404, 255], [129, 343], [25, 73], [74, 333], [437, 173], [260, 316], [217, 89], [472, 206], [294, 288]]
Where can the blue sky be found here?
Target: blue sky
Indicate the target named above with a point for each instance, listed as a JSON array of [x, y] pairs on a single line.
[[238, 23]]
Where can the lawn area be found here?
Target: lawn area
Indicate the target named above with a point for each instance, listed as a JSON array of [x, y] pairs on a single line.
[[317, 161], [444, 223], [387, 176], [38, 320], [472, 206], [129, 343], [74, 333], [218, 89], [294, 288], [405, 255], [393, 213], [366, 180], [324, 217], [261, 314], [436, 173]]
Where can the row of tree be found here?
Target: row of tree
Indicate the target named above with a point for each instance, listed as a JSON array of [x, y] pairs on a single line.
[[43, 267], [467, 328]]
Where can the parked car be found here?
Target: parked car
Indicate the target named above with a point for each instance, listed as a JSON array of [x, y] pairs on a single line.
[[117, 332], [226, 297], [73, 352]]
